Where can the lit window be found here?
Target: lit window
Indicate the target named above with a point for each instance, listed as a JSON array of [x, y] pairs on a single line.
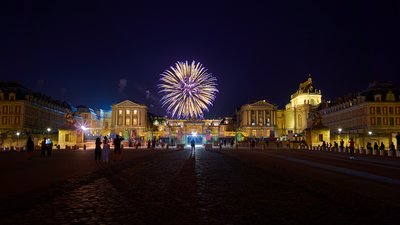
[[120, 112], [128, 121], [135, 112], [134, 121], [372, 110], [17, 120], [128, 112], [373, 122]]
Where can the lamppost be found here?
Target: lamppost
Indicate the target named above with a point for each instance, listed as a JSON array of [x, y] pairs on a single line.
[[340, 131], [369, 133], [18, 133], [83, 135]]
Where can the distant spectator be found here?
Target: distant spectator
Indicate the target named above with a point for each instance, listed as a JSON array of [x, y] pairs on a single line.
[[117, 147], [351, 143], [106, 149], [97, 150], [43, 148], [30, 146]]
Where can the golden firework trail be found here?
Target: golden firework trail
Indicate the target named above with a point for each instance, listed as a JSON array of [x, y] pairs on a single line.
[[188, 90]]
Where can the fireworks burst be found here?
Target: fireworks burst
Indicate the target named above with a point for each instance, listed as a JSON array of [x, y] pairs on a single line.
[[187, 90]]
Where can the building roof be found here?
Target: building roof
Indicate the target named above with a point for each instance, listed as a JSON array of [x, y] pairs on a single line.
[[21, 92]]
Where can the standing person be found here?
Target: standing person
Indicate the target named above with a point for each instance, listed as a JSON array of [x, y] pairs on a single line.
[[153, 144], [341, 145], [376, 147], [97, 150], [193, 144], [30, 146], [49, 147], [398, 141], [106, 150], [117, 147], [351, 142], [148, 144], [43, 149]]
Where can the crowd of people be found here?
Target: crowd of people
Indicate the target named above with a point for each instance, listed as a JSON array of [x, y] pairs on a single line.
[[102, 147]]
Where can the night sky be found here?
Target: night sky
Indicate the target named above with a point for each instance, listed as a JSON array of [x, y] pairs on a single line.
[[99, 53]]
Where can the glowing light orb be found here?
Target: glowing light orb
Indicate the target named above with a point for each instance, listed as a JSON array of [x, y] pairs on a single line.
[[188, 90]]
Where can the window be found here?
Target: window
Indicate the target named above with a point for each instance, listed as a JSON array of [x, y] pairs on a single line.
[[134, 121], [5, 109], [320, 137], [379, 121], [128, 121], [372, 110], [4, 120], [128, 112], [120, 120], [120, 112], [385, 121], [384, 110], [135, 112], [67, 138], [391, 110], [372, 121], [378, 110], [391, 121], [378, 98], [397, 120], [397, 110], [17, 120], [17, 109]]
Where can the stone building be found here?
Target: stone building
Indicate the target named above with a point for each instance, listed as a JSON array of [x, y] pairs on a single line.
[[373, 115], [26, 113], [295, 115], [129, 120], [258, 119]]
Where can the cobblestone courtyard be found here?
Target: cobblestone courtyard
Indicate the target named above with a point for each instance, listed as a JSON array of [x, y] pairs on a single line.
[[201, 187]]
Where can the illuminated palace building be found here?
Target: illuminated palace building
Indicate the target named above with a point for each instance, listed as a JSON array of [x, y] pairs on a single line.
[[372, 115]]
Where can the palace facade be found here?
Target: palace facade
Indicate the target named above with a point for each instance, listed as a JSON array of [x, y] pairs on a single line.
[[373, 115]]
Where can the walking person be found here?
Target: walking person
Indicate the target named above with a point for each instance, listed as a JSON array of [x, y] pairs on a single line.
[[43, 149], [97, 150], [106, 150], [351, 142], [117, 147], [30, 146], [193, 144]]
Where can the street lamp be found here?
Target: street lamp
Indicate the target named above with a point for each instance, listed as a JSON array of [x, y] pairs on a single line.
[[83, 133], [18, 133]]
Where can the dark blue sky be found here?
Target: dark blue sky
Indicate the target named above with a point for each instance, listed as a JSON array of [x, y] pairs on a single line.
[[101, 52]]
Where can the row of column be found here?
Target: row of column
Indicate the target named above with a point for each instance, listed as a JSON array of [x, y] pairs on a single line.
[[117, 116], [247, 117]]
